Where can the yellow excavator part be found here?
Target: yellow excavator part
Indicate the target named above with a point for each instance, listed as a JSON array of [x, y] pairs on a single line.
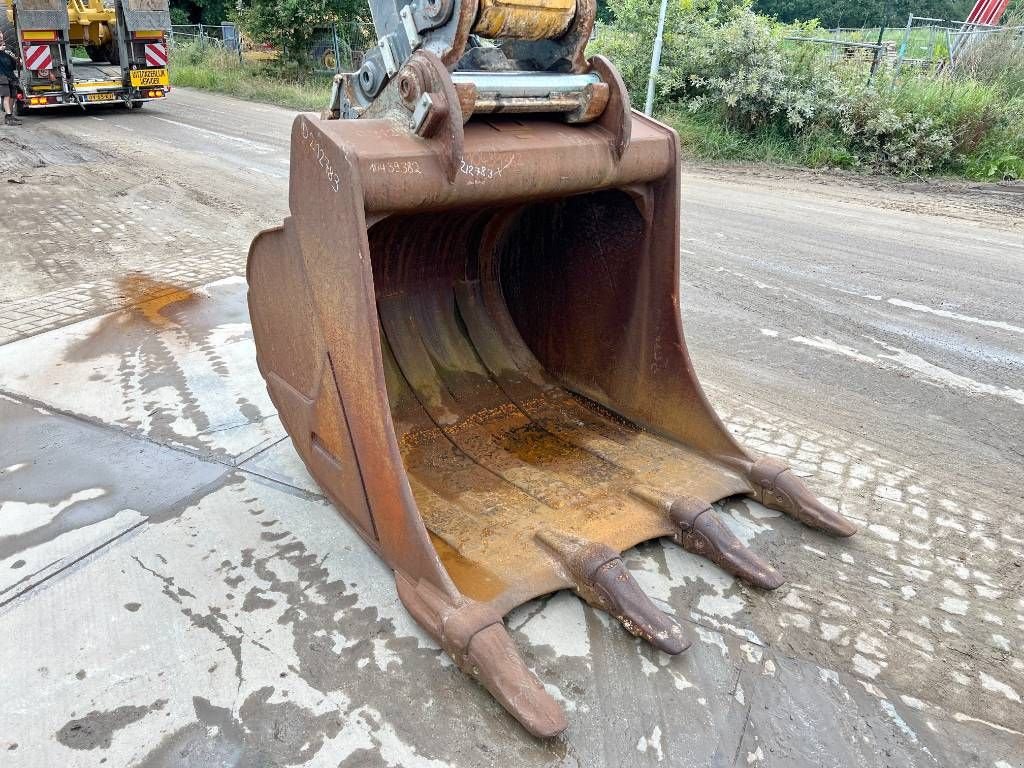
[[90, 22], [524, 19]]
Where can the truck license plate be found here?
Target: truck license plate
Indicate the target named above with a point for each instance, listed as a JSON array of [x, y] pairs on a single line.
[[150, 78], [100, 97]]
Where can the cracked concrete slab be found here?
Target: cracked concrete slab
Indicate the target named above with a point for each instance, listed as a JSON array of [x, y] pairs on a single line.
[[255, 628], [68, 487]]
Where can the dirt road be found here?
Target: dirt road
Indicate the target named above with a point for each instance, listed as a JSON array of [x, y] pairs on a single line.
[[870, 332]]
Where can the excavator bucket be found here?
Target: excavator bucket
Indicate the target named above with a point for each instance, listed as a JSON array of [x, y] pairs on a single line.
[[470, 325]]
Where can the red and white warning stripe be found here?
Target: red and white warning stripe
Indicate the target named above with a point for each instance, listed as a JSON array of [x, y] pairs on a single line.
[[38, 57], [156, 54]]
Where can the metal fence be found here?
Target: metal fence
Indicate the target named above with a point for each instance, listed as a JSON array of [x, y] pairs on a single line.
[[339, 48], [927, 43], [331, 49], [852, 51], [198, 34], [354, 38], [973, 42]]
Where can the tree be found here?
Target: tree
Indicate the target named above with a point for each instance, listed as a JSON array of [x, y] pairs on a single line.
[[200, 11], [869, 13], [291, 24]]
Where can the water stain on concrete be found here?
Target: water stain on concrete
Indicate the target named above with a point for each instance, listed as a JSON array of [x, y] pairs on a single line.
[[73, 457], [168, 352], [146, 360], [96, 730], [342, 646], [264, 735], [254, 600], [217, 623], [364, 758], [148, 300]]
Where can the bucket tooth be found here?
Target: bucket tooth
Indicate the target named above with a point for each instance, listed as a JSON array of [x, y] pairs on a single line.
[[603, 581], [700, 530], [496, 663], [777, 487], [473, 634]]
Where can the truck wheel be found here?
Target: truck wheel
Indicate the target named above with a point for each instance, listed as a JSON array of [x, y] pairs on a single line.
[[110, 53], [323, 57]]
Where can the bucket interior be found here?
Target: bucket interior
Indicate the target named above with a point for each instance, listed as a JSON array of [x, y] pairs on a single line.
[[486, 317]]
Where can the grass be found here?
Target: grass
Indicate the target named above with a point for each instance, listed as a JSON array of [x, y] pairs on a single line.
[[704, 136], [988, 144], [999, 155], [217, 70]]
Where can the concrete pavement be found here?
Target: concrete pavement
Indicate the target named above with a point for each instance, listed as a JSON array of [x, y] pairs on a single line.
[[178, 593]]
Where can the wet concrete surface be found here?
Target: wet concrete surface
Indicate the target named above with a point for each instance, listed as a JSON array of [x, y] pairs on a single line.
[[128, 376], [69, 487], [195, 601], [239, 621], [267, 634]]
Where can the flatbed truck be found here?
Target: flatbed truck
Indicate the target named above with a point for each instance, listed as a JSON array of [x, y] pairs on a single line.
[[121, 46]]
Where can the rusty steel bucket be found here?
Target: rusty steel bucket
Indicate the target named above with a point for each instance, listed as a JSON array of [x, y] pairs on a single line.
[[486, 373]]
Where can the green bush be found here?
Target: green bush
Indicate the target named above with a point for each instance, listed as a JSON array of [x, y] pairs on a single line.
[[737, 89], [1000, 154], [889, 139], [739, 66], [215, 69], [292, 25]]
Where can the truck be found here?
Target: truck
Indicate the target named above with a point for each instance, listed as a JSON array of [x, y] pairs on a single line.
[[87, 52]]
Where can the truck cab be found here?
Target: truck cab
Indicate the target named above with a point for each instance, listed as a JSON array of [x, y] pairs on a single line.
[[84, 52]]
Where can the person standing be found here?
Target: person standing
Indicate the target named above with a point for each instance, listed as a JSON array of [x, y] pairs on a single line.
[[8, 82]]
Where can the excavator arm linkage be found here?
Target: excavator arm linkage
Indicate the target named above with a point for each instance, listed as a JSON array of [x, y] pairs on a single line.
[[470, 326]]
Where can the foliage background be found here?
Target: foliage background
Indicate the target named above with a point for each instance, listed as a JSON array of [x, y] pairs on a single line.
[[866, 13], [730, 82], [201, 11], [292, 24], [735, 88], [289, 25]]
